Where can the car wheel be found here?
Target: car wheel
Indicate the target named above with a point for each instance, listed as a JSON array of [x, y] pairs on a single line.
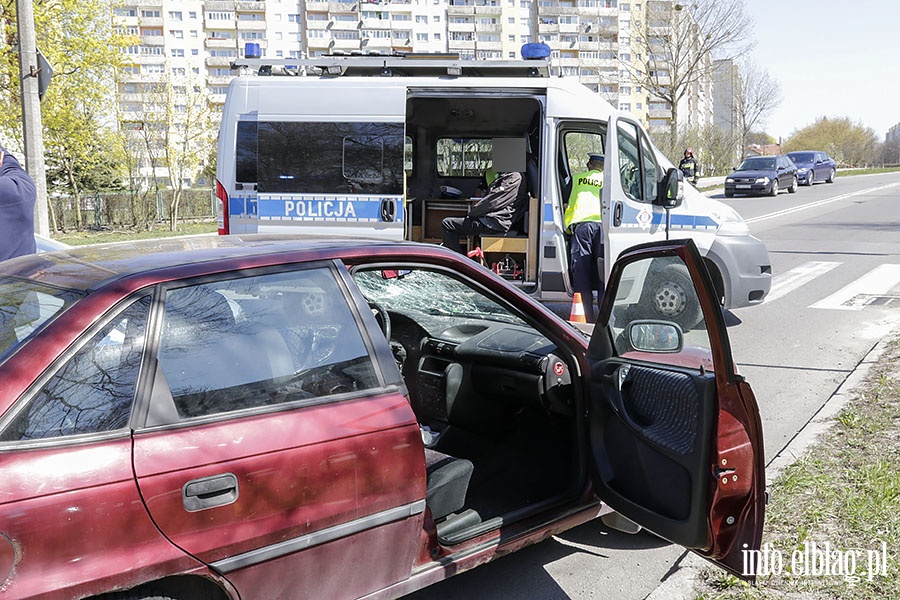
[[794, 185], [729, 194], [774, 190], [810, 177], [670, 298], [830, 178]]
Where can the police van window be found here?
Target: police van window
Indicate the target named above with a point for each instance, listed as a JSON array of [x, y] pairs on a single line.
[[629, 160], [650, 170], [464, 157], [578, 145], [321, 158]]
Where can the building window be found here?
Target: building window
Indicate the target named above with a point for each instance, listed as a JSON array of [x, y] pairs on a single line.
[[150, 14], [175, 15]]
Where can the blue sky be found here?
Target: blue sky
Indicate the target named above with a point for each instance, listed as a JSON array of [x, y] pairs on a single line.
[[832, 58]]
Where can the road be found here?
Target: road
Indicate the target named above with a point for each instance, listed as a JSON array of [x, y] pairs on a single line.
[[835, 251]]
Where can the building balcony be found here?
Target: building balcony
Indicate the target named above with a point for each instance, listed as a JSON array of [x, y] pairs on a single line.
[[319, 24], [463, 27], [342, 7], [488, 28], [489, 10], [251, 25], [498, 45], [460, 45], [153, 40], [219, 61], [375, 24], [313, 6], [220, 43], [219, 5], [224, 25], [460, 10], [218, 80], [250, 7], [346, 45], [660, 113], [548, 28], [151, 21]]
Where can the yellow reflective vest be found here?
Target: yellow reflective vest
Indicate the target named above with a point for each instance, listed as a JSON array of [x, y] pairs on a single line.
[[584, 201]]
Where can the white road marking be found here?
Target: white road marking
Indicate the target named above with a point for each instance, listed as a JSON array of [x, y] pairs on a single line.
[[877, 282], [788, 211], [789, 281]]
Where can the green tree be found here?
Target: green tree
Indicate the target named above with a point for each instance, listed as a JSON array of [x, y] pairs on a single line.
[[169, 137], [850, 144], [78, 109]]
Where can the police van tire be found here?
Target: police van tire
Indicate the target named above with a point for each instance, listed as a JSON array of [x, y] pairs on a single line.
[[672, 298]]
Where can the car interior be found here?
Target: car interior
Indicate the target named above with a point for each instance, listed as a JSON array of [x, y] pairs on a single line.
[[492, 395]]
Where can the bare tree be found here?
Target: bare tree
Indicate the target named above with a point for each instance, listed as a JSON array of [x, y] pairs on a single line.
[[758, 95], [678, 42]]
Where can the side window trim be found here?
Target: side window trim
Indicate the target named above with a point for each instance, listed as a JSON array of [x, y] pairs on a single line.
[[29, 396], [155, 377]]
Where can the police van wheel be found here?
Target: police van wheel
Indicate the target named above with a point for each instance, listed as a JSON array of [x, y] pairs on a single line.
[[671, 298]]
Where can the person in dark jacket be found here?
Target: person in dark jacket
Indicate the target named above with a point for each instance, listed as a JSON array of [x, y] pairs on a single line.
[[688, 166], [17, 197], [492, 214]]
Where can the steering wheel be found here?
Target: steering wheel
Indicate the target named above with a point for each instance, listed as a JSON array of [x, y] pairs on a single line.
[[382, 318]]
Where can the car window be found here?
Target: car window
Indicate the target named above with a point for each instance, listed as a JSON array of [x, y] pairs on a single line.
[[650, 170], [94, 390], [258, 341], [657, 302], [758, 163], [431, 293], [802, 157], [25, 307]]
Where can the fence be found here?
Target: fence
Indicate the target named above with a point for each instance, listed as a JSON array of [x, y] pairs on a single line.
[[137, 208]]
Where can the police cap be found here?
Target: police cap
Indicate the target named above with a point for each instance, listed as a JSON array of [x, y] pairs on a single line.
[[593, 156]]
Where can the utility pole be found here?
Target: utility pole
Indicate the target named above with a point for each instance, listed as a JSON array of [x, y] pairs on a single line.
[[32, 128]]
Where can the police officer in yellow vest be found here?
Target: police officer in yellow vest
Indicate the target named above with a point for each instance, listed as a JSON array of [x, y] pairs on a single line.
[[582, 219]]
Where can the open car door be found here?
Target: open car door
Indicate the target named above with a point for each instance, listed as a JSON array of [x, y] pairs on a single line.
[[675, 432]]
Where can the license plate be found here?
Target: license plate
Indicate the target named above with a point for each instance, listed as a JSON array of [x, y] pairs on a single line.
[[743, 186]]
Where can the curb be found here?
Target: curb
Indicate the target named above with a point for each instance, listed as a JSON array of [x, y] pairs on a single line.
[[680, 581]]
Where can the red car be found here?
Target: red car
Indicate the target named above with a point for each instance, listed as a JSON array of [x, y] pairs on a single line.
[[226, 417]]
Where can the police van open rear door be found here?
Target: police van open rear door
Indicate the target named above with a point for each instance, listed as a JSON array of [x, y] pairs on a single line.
[[320, 155]]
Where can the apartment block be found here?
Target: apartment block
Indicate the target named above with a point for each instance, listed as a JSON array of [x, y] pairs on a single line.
[[196, 41]]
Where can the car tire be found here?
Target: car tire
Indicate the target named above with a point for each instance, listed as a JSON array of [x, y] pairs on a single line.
[[729, 194], [810, 177], [670, 298], [774, 190], [794, 183], [830, 178]]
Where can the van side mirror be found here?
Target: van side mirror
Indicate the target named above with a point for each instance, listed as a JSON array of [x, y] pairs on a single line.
[[671, 192]]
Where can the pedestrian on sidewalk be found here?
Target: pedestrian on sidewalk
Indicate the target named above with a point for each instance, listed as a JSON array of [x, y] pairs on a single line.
[[17, 198]]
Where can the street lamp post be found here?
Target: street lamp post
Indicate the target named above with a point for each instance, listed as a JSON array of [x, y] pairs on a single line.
[[32, 128]]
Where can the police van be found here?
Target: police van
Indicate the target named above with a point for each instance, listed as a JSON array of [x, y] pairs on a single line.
[[389, 146]]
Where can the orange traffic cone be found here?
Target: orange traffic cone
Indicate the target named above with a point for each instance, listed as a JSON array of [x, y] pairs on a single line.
[[577, 313]]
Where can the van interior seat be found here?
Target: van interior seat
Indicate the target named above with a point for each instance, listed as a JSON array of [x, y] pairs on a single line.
[[447, 482]]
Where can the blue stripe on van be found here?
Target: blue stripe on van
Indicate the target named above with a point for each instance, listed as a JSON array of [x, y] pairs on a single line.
[[351, 209]]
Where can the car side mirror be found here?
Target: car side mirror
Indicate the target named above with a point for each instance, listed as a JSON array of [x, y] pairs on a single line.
[[655, 336], [671, 192]]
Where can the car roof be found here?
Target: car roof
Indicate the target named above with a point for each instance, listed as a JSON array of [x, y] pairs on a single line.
[[87, 268]]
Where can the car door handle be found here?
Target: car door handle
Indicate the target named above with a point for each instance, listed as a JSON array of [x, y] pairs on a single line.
[[209, 492], [617, 215]]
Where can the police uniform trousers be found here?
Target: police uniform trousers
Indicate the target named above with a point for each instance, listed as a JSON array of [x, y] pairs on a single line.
[[587, 253]]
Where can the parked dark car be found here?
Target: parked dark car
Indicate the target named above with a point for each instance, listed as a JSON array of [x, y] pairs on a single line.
[[759, 175], [258, 418], [813, 166]]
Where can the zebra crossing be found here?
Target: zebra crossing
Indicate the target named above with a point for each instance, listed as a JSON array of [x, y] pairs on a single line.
[[878, 287]]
